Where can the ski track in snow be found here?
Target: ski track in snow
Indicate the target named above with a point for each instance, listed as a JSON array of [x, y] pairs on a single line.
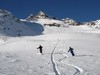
[[53, 61], [78, 69]]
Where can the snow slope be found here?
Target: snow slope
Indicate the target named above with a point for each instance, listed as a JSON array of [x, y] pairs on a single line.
[[19, 55], [12, 26]]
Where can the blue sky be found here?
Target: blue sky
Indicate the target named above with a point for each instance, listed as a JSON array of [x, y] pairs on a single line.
[[79, 10]]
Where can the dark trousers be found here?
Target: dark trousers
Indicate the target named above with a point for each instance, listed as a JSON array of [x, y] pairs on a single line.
[[72, 53], [40, 50]]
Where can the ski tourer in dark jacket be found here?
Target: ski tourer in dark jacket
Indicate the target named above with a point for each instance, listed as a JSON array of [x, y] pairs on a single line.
[[71, 51], [40, 48]]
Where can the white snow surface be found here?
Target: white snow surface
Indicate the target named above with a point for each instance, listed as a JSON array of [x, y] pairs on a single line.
[[19, 55], [50, 21]]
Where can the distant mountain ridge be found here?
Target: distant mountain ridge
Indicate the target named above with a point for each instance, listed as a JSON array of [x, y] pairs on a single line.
[[44, 19], [39, 15], [33, 24], [95, 24]]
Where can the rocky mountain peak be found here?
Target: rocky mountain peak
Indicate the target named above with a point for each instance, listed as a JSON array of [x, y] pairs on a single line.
[[39, 15]]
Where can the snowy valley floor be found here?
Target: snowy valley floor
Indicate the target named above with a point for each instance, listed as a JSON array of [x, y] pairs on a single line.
[[19, 55]]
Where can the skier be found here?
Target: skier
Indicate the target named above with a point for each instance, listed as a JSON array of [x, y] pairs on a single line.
[[40, 47], [71, 51]]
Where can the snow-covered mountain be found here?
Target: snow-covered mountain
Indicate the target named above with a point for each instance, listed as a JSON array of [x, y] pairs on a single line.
[[33, 25], [44, 19], [95, 24], [39, 15], [12, 26], [71, 22]]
